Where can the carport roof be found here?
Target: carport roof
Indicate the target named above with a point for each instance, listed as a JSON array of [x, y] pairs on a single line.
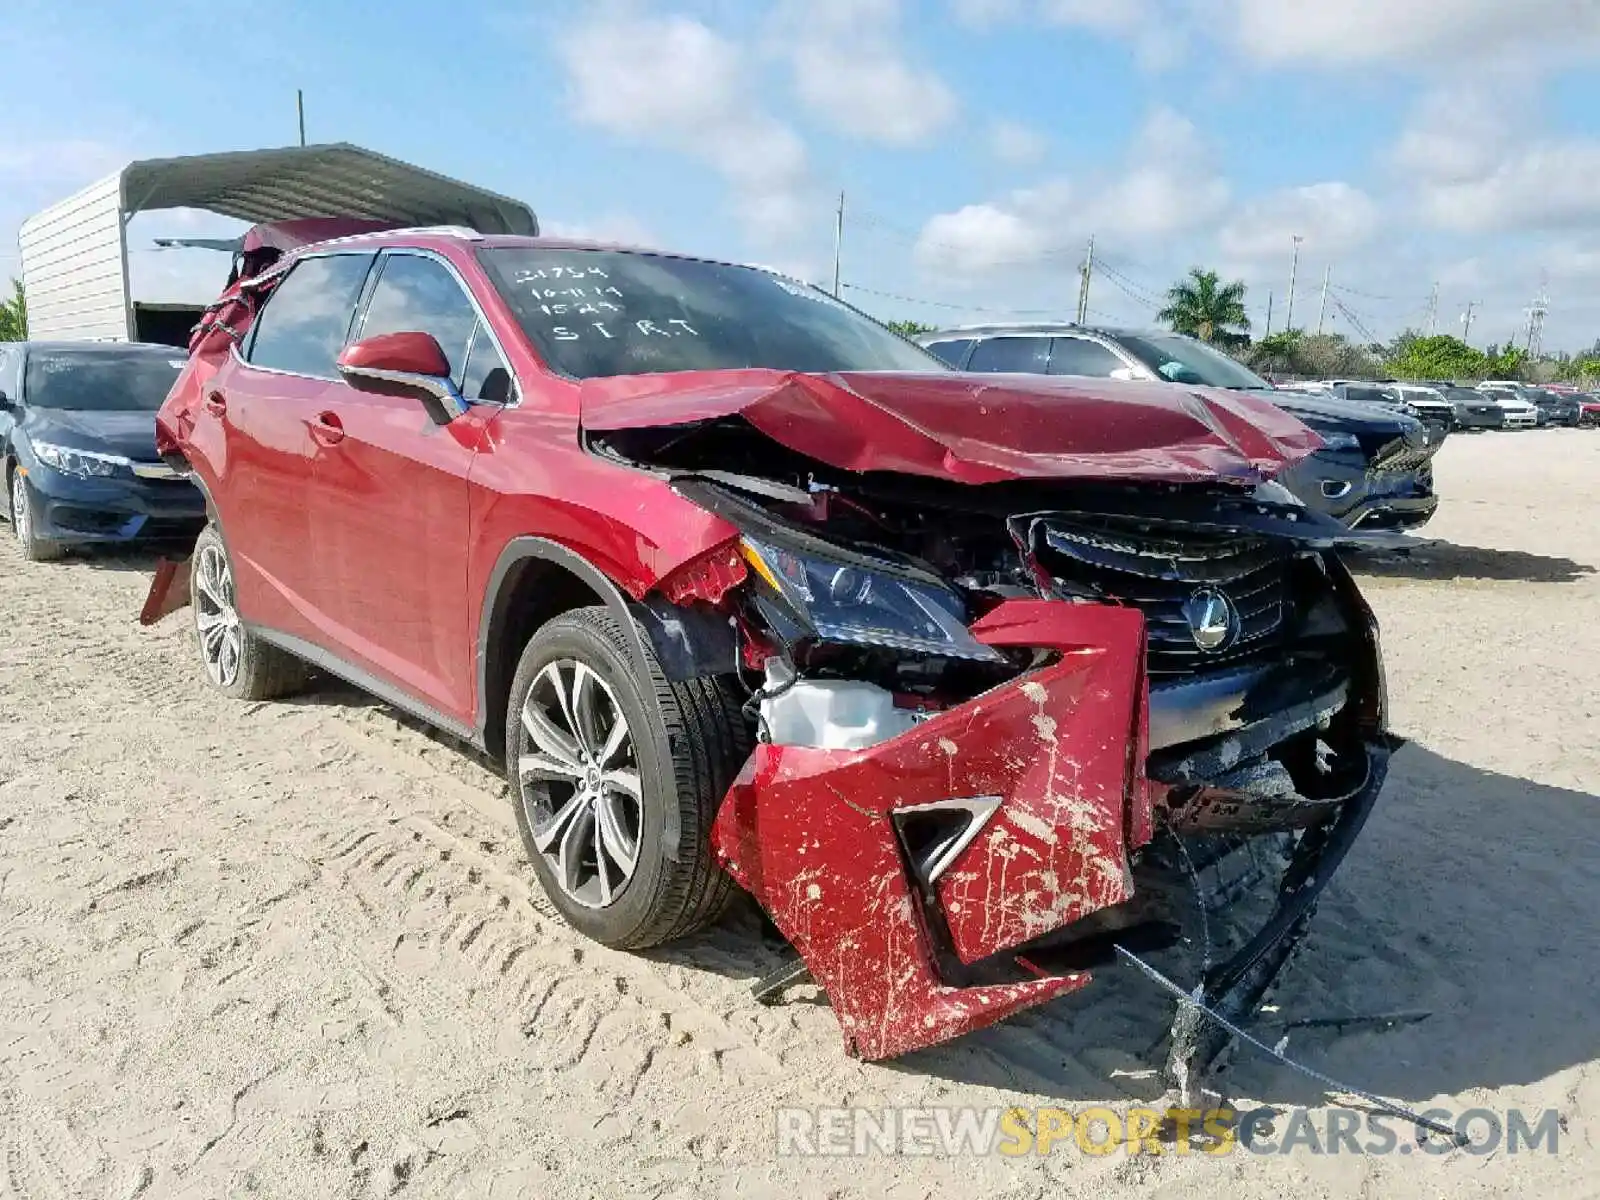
[[318, 181]]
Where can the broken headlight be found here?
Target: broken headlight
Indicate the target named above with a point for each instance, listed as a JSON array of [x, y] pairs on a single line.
[[835, 600]]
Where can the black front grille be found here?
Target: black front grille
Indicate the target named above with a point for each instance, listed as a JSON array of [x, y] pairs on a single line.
[[1160, 574]]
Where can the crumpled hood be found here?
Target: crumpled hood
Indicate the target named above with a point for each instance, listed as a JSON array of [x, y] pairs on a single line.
[[130, 434], [973, 428]]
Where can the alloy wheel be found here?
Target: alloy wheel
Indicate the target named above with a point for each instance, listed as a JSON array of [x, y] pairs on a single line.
[[215, 617], [580, 782]]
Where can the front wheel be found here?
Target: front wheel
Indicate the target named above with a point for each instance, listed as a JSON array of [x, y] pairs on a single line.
[[24, 526], [605, 763], [238, 662]]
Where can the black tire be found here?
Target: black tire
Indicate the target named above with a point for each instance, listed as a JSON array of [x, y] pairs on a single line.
[[20, 507], [262, 672], [687, 741]]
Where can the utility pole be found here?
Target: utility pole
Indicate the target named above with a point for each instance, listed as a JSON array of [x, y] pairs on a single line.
[[1466, 319], [1268, 331], [1322, 312], [1433, 311], [838, 245], [1083, 283], [300, 108], [1536, 315], [1294, 266]]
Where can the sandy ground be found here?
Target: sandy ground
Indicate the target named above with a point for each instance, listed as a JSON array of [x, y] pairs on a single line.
[[291, 949]]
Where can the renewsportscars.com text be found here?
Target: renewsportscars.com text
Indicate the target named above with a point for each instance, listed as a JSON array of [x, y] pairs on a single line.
[[1015, 1132]]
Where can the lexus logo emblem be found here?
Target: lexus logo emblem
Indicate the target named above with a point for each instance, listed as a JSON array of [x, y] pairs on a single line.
[[1213, 621]]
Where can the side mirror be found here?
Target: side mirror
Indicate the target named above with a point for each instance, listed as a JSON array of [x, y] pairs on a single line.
[[404, 364]]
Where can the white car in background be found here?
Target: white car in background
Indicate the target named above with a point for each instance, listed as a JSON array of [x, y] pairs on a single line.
[[1520, 412], [1427, 404]]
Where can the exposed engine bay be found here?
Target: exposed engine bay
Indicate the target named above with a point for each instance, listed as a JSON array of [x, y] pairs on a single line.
[[1192, 661]]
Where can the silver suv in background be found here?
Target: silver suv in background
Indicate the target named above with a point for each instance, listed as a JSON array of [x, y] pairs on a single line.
[[1375, 467]]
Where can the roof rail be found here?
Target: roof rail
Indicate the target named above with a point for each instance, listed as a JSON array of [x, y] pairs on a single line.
[[455, 231]]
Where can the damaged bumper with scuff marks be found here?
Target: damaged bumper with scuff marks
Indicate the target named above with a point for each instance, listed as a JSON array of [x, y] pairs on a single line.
[[944, 856]]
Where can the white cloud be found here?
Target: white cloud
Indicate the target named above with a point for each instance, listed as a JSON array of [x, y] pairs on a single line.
[[1319, 31], [1016, 144], [1473, 168], [1167, 186], [1333, 218], [673, 81], [850, 71], [1156, 29], [1460, 133], [1374, 30]]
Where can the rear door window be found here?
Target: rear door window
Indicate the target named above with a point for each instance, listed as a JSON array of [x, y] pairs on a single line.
[[306, 319], [1080, 356], [1028, 355], [951, 352], [416, 294]]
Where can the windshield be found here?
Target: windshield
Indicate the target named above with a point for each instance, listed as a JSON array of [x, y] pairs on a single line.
[[99, 380], [1369, 395], [594, 313], [1180, 359]]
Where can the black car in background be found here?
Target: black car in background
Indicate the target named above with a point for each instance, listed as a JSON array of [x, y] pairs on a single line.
[[1473, 409], [1555, 408], [78, 446], [1375, 469]]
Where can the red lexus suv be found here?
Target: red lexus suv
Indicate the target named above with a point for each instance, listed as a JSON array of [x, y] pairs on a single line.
[[968, 680]]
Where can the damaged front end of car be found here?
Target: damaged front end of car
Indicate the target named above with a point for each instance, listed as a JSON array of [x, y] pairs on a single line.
[[1011, 719]]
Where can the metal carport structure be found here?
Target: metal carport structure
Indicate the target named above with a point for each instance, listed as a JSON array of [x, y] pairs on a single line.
[[75, 253]]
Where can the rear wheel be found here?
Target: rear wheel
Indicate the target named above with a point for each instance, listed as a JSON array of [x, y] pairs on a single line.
[[33, 547], [604, 763], [238, 662]]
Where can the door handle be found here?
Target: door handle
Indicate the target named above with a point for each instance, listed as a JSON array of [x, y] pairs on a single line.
[[216, 403], [327, 428]]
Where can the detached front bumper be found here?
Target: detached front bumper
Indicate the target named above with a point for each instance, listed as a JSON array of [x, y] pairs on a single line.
[[903, 873], [977, 864]]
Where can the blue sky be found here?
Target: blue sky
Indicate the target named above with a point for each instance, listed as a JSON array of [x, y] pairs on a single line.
[[979, 143]]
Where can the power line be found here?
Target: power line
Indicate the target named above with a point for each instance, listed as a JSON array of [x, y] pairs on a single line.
[[1137, 290], [1142, 301], [1015, 312], [1350, 291]]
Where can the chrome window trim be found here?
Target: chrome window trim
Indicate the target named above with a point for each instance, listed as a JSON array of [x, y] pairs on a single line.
[[358, 316]]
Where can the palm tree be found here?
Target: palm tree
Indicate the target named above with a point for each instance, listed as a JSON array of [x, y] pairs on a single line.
[[1203, 306]]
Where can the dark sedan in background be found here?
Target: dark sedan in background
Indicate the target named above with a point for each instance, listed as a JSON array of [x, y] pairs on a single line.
[[1556, 408], [1474, 410], [1374, 470], [78, 446]]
